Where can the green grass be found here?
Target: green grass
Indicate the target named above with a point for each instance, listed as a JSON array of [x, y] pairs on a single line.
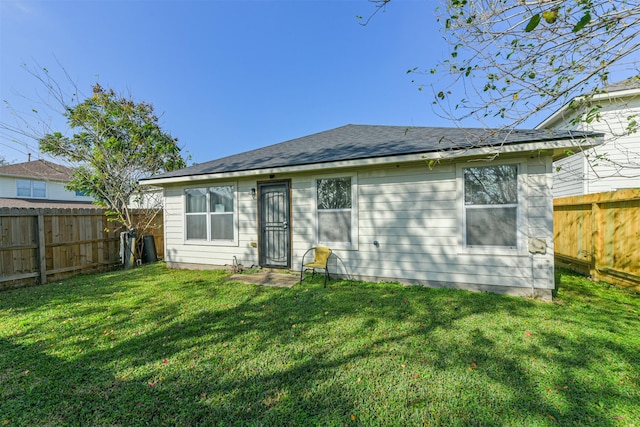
[[152, 346]]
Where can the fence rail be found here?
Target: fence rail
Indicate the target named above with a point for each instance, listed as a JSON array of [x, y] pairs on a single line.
[[41, 245], [599, 235]]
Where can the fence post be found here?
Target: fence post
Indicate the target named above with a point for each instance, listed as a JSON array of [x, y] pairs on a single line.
[[597, 242], [42, 250]]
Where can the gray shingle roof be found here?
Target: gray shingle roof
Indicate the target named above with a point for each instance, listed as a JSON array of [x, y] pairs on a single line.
[[353, 142]]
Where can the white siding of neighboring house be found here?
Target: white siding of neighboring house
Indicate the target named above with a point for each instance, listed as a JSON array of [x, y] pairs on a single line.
[[569, 176], [7, 187], [413, 212], [54, 190], [150, 198], [583, 173]]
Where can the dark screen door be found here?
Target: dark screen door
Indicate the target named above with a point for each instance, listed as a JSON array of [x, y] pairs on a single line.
[[274, 213]]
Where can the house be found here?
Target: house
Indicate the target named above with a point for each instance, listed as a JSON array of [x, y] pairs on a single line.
[[37, 184], [441, 207], [613, 165]]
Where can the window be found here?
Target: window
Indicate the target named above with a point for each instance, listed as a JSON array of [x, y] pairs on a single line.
[[222, 207], [197, 214], [491, 206], [30, 188], [335, 210], [210, 213]]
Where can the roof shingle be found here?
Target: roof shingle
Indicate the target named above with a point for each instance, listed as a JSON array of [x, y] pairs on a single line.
[[353, 142], [39, 169]]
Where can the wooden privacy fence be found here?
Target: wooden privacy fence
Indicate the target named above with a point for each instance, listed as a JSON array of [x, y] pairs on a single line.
[[41, 245], [599, 235]]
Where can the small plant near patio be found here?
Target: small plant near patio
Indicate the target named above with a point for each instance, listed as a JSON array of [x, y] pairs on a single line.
[[153, 346]]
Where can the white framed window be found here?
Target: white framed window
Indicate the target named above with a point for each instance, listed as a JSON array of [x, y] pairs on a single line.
[[491, 207], [336, 215], [210, 214], [31, 188]]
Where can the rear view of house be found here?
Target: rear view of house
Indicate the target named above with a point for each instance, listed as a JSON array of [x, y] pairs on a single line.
[[443, 207]]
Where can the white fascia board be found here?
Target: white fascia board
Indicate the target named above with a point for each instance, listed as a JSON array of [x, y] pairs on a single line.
[[557, 147]]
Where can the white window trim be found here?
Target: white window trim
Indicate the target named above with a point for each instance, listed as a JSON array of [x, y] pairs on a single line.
[[208, 241], [521, 211], [354, 211], [31, 182]]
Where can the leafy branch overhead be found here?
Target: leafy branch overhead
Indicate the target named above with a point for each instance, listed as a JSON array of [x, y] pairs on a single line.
[[116, 143], [518, 58], [510, 59]]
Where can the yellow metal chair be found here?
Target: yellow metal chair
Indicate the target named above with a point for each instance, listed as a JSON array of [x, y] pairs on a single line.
[[321, 256]]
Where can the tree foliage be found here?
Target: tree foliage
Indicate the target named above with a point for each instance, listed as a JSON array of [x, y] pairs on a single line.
[[514, 59], [116, 143]]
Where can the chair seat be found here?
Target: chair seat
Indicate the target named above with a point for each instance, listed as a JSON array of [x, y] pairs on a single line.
[[315, 265], [321, 256]]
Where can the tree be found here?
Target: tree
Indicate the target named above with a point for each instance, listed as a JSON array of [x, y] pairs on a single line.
[[3, 161], [116, 143], [512, 60], [517, 58]]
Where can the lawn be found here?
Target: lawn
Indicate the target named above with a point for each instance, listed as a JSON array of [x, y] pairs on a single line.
[[152, 346]]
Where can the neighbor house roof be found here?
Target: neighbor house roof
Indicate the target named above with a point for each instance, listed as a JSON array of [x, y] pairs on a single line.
[[38, 169], [623, 89], [358, 142], [627, 84], [43, 203]]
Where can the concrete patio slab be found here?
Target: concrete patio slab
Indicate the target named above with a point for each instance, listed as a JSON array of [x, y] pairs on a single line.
[[267, 278]]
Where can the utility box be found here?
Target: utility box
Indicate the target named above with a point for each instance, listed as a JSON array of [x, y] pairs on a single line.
[[537, 246]]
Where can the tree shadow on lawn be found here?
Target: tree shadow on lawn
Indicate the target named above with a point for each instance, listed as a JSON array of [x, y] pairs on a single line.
[[308, 355]]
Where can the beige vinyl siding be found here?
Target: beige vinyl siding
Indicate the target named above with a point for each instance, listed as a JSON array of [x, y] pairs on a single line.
[[540, 224], [413, 214], [178, 250], [303, 217]]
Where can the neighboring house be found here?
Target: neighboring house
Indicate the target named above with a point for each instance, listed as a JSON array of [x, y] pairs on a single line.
[[38, 183], [148, 198], [442, 207], [616, 163]]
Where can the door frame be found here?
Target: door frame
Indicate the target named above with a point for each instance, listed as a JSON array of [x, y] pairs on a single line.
[[260, 185]]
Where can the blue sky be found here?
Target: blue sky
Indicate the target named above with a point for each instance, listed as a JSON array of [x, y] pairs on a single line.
[[227, 76]]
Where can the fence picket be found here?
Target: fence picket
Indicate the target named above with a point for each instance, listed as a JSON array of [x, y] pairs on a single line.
[[598, 235], [41, 245]]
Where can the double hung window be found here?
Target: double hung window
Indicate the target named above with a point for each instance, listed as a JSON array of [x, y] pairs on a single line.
[[491, 206], [334, 202], [31, 188], [210, 213]]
